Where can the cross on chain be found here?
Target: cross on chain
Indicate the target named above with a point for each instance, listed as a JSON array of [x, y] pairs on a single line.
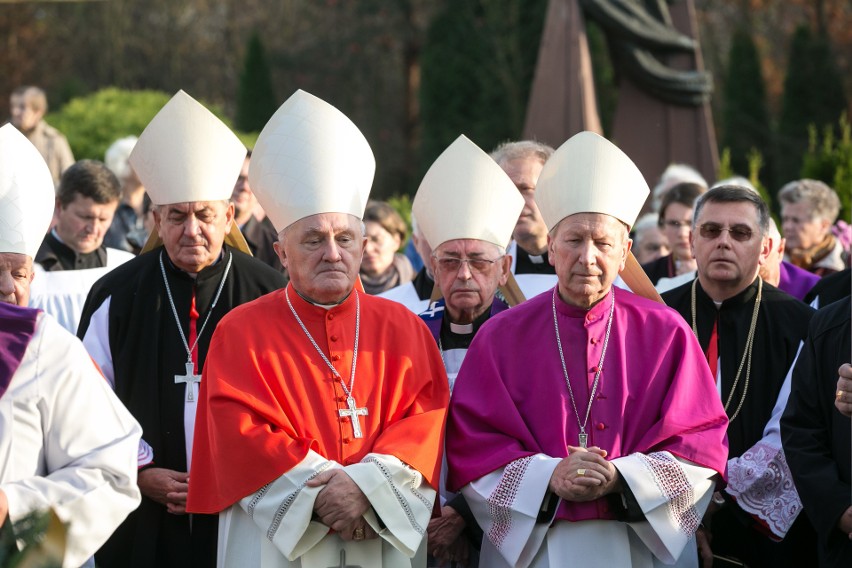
[[189, 378], [353, 413]]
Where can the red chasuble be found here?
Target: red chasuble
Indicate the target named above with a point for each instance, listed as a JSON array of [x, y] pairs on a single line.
[[267, 396]]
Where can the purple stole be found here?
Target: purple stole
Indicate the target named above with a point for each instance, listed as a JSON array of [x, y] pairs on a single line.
[[17, 327], [434, 314], [796, 281]]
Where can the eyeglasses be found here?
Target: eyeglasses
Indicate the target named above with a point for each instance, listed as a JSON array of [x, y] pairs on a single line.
[[675, 224], [452, 264], [712, 231]]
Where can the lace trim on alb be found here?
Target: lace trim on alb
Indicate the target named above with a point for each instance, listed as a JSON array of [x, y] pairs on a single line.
[[761, 482], [257, 498], [399, 497], [288, 501], [673, 484], [503, 497]]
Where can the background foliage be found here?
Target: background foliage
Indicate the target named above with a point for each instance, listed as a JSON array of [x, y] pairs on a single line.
[[413, 74]]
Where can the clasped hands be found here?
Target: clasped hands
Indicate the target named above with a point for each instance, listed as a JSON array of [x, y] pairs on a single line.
[[585, 475], [341, 505]]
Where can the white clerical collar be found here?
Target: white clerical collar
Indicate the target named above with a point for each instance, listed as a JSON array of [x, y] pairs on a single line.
[[537, 258], [461, 328]]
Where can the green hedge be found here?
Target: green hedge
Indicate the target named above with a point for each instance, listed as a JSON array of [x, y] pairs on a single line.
[[93, 122]]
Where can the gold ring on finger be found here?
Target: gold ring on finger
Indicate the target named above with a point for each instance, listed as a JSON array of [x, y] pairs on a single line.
[[358, 534], [581, 472], [840, 394]]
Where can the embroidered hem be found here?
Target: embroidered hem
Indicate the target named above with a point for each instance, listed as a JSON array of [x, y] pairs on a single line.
[[761, 482]]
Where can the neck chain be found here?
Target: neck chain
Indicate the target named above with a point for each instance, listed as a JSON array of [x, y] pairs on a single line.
[[353, 412], [583, 437], [186, 345], [746, 352]]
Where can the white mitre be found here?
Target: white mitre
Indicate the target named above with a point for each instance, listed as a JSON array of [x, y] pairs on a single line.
[[187, 154], [26, 194], [310, 159], [589, 174], [466, 195]]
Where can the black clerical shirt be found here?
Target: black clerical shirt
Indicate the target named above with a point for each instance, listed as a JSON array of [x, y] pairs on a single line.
[[55, 255]]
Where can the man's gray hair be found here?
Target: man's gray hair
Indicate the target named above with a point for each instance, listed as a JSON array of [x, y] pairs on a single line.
[[508, 151], [823, 200], [734, 194]]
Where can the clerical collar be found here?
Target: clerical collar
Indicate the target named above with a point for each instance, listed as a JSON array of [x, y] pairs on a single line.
[[460, 336], [745, 296], [194, 275], [461, 328], [323, 306], [68, 258], [537, 258], [596, 313]]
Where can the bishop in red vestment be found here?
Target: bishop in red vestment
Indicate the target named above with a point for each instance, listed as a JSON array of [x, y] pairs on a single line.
[[320, 424]]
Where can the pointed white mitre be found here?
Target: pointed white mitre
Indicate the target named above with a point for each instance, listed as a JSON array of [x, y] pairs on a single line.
[[589, 174], [26, 194], [309, 159], [187, 154], [466, 195]]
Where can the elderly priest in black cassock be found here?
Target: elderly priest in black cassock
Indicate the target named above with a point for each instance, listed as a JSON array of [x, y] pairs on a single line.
[[149, 322], [751, 333]]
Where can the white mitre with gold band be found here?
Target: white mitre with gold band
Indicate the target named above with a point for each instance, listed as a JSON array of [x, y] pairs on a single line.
[[466, 195], [310, 159], [26, 194], [589, 174], [186, 154]]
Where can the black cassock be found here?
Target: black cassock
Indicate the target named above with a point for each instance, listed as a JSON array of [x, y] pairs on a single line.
[[816, 436], [781, 326], [147, 352]]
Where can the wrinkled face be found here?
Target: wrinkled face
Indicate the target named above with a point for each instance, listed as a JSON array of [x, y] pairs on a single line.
[[23, 116], [588, 251], [650, 244], [322, 254], [677, 220], [82, 224], [381, 246], [799, 226], [726, 257], [16, 273], [524, 174], [193, 232], [468, 272], [243, 198]]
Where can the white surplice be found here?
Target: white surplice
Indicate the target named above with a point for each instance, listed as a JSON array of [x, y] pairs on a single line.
[[274, 526], [67, 442], [672, 493], [63, 293]]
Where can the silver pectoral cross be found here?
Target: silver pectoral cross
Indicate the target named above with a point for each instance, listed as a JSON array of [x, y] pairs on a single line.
[[189, 378], [353, 413], [584, 439]]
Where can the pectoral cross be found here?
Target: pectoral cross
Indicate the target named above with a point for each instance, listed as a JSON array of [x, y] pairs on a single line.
[[189, 378], [353, 413], [584, 439], [343, 563]]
